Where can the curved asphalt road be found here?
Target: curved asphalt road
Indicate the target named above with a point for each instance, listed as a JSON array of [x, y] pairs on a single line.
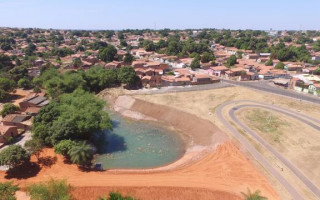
[[264, 86], [298, 116]]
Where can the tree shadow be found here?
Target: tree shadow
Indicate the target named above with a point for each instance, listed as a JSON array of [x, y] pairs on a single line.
[[12, 98], [47, 161], [115, 143], [115, 124], [89, 169], [109, 142], [25, 171]]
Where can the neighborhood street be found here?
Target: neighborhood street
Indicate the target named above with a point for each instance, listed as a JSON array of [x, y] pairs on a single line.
[[264, 86], [257, 155], [188, 88]]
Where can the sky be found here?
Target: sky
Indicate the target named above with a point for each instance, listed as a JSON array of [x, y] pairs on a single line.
[[159, 14]]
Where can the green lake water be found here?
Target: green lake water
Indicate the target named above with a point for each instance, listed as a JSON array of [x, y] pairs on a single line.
[[138, 144]]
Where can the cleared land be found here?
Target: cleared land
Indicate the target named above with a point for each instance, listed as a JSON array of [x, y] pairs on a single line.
[[204, 103], [270, 124], [296, 141]]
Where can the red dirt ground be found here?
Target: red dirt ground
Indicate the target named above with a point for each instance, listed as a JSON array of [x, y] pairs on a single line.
[[223, 174]]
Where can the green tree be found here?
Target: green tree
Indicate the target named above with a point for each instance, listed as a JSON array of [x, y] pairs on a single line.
[[317, 71], [24, 83], [128, 76], [253, 196], [128, 59], [108, 53], [207, 57], [148, 45], [51, 190], [123, 43], [19, 72], [195, 64], [269, 62], [81, 154], [9, 108], [7, 85], [8, 190], [74, 116], [14, 156], [279, 65], [64, 146], [232, 60], [34, 147]]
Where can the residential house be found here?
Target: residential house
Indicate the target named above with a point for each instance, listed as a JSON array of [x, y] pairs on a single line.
[[231, 50], [293, 67], [90, 59], [113, 65], [234, 72], [251, 56], [280, 74], [151, 81], [18, 120], [7, 132], [217, 71], [201, 79], [138, 63], [183, 80], [35, 100], [314, 89], [265, 74]]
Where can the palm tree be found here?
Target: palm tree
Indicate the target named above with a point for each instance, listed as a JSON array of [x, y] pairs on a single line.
[[253, 196], [81, 154]]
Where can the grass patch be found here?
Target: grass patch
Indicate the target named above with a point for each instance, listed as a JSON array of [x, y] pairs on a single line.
[[266, 122]]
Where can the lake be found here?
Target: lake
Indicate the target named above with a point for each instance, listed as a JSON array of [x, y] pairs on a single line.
[[137, 144]]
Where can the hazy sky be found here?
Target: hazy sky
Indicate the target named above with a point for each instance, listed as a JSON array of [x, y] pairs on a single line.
[[181, 14]]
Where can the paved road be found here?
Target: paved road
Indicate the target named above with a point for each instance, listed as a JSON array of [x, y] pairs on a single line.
[[188, 88], [264, 86], [303, 118]]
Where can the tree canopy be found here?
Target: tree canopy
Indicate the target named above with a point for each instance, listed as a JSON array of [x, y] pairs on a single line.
[[108, 53], [74, 116], [128, 76], [14, 156], [232, 60]]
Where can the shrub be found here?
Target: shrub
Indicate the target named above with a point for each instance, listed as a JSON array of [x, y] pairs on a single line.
[[8, 108], [7, 191], [116, 196], [51, 190], [64, 146]]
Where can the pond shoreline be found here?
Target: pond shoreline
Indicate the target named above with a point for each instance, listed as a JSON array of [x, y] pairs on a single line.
[[195, 148]]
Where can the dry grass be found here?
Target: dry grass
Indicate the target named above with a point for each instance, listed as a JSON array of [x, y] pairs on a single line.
[[266, 122]]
